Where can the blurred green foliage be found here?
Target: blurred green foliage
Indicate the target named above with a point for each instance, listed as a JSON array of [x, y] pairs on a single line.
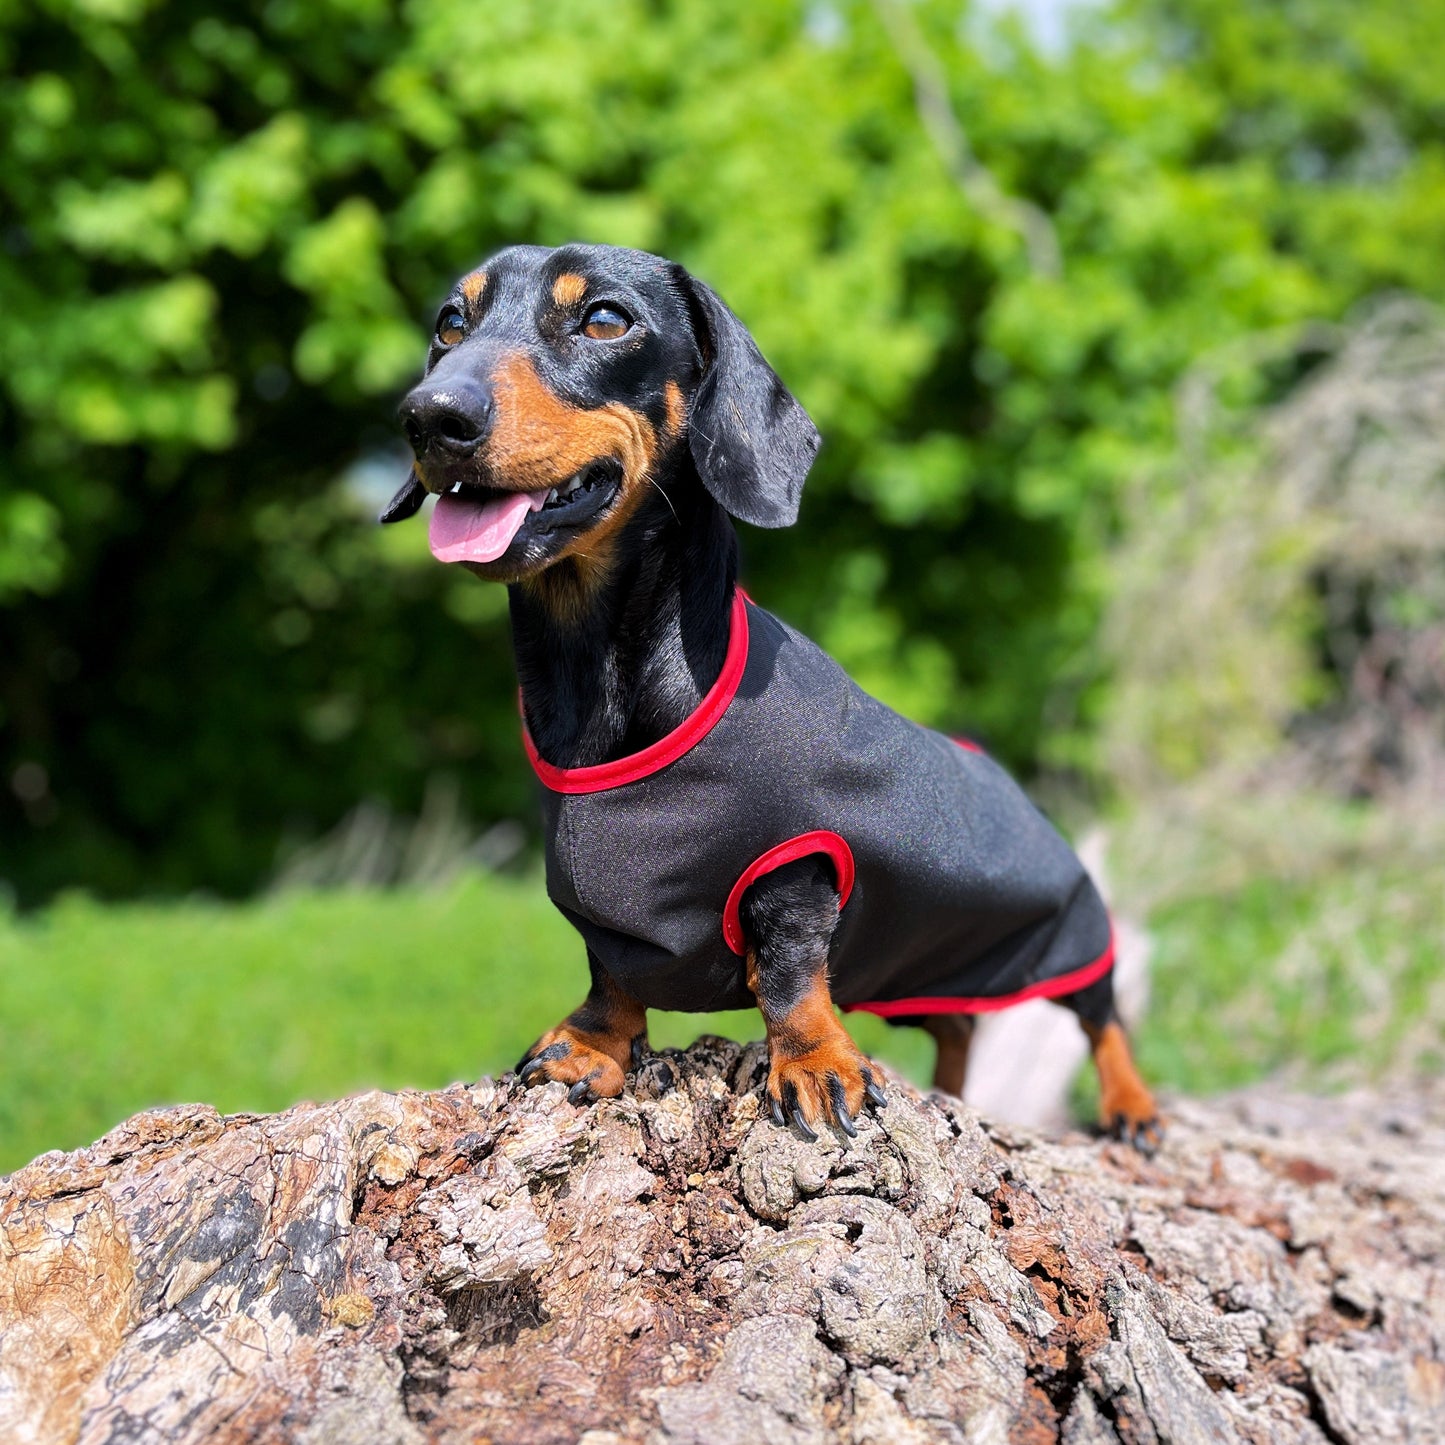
[[223, 229]]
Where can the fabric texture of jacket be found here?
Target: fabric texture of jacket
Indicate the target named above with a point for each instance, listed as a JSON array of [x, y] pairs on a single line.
[[958, 895]]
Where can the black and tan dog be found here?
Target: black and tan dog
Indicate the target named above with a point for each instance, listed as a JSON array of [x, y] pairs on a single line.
[[728, 818]]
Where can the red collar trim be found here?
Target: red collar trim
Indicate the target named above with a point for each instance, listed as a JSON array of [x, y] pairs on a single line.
[[685, 736]]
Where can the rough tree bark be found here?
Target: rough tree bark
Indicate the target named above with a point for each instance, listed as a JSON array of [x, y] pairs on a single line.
[[488, 1263]]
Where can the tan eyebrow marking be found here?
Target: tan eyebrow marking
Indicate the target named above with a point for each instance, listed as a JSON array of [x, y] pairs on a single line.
[[474, 285], [676, 407], [569, 288]]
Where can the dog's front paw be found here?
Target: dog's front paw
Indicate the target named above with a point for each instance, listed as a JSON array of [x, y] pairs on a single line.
[[594, 1067], [831, 1082]]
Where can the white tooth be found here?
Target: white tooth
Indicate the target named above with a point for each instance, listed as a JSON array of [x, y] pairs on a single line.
[[552, 495], [456, 488]]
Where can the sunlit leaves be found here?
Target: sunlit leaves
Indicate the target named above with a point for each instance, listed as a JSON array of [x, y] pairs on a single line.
[[223, 234], [249, 193]]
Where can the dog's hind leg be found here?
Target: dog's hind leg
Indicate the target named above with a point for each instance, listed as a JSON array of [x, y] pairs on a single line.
[[594, 1046], [1126, 1104], [815, 1070], [953, 1033]]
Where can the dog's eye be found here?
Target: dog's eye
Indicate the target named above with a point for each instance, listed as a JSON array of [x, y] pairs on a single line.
[[451, 328], [606, 323]]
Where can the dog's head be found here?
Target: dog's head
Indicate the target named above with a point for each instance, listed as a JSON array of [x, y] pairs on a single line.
[[561, 384]]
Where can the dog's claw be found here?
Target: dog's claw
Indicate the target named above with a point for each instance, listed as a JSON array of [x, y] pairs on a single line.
[[579, 1091], [776, 1110], [795, 1112], [539, 1061], [875, 1095], [839, 1100]]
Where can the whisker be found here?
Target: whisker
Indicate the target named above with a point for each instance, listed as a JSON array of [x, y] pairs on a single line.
[[666, 499]]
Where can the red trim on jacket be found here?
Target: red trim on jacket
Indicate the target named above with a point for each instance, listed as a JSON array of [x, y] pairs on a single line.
[[819, 841], [1049, 988], [687, 734]]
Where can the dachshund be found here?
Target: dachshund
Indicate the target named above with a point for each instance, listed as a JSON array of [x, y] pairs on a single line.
[[729, 819]]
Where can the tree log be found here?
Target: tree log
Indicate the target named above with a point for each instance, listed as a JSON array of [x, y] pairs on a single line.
[[493, 1263]]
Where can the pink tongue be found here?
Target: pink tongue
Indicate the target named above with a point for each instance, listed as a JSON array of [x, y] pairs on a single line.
[[463, 530]]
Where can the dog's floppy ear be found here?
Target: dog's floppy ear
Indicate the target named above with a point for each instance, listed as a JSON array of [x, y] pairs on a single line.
[[751, 442]]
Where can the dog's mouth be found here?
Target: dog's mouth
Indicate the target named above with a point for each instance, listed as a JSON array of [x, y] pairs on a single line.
[[473, 523]]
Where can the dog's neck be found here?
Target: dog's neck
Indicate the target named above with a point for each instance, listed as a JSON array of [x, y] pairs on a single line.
[[620, 667]]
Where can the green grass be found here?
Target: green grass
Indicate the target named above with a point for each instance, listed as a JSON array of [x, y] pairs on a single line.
[[1332, 982], [105, 1010]]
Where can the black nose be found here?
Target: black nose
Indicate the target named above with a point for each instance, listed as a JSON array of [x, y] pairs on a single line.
[[451, 418]]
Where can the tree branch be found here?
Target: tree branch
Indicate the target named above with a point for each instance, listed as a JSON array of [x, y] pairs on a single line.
[[950, 140]]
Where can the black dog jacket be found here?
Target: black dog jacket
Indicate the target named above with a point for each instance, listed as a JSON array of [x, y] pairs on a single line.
[[957, 895]]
